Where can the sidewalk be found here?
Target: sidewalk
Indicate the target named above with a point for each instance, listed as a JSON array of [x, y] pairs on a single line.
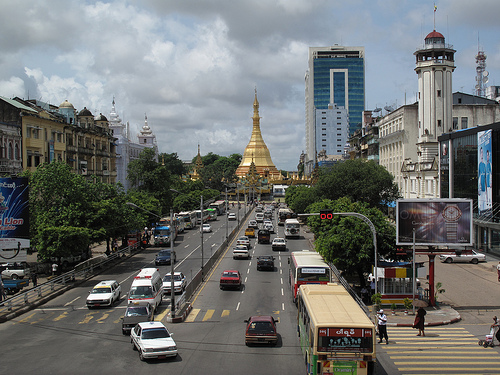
[[436, 316]]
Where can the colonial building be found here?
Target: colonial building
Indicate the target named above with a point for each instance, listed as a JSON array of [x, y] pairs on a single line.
[[126, 149], [10, 136]]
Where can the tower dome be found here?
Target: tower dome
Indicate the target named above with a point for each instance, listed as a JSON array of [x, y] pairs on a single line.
[[66, 104], [85, 112]]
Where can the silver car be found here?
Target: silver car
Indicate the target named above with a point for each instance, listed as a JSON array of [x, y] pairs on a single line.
[[464, 256]]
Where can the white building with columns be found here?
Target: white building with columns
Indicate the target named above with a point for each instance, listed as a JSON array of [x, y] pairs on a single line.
[[126, 149]]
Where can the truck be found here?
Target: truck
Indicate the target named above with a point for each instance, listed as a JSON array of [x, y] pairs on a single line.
[[15, 285]]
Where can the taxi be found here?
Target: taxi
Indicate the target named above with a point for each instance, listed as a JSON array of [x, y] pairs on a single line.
[[250, 232]]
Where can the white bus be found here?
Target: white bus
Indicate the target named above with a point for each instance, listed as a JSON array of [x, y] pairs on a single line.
[[201, 219], [292, 228], [307, 267], [189, 218], [220, 206]]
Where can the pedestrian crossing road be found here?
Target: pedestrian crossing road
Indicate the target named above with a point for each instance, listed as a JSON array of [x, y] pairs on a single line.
[[443, 350]]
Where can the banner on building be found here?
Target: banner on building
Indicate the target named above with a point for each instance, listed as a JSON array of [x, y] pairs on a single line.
[[14, 214], [436, 222], [484, 191]]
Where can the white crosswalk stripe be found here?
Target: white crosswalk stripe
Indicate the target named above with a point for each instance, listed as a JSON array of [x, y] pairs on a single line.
[[443, 350]]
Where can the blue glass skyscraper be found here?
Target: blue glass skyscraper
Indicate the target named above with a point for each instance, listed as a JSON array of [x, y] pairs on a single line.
[[336, 75]]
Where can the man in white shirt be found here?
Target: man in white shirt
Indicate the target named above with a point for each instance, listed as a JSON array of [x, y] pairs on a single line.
[[382, 327]]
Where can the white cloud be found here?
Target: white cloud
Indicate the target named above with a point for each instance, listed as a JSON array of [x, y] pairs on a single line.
[[192, 66]]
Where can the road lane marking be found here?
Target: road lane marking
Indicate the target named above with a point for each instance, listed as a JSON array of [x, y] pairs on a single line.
[[208, 315], [70, 302], [283, 306], [281, 280], [103, 317], [159, 317], [88, 318], [192, 315], [282, 292], [62, 316], [225, 313], [238, 306], [246, 278]]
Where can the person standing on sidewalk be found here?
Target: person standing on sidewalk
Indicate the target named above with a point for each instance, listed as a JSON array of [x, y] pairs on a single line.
[[382, 327], [420, 321], [498, 270], [495, 326]]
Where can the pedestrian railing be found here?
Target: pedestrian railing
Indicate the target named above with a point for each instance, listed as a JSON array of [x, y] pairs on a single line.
[[82, 271]]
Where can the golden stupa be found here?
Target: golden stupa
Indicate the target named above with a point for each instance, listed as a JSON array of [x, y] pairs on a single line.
[[256, 151]]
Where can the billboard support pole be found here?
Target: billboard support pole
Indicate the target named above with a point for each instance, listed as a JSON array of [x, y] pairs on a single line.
[[432, 302], [414, 273]]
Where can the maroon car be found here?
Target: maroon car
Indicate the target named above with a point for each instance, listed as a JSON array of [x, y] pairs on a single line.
[[261, 329], [230, 279]]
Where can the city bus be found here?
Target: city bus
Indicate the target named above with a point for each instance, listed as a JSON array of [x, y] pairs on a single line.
[[199, 219], [283, 214], [189, 219], [173, 226], [212, 213], [336, 336], [292, 228], [220, 206], [307, 267]]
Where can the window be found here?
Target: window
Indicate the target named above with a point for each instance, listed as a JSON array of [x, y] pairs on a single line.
[[439, 123], [455, 123], [465, 122], [438, 93], [28, 161]]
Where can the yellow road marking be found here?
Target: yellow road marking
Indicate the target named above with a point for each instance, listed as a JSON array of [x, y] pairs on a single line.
[[208, 315], [103, 317], [62, 316], [25, 320], [192, 316], [87, 318], [225, 313], [159, 317]]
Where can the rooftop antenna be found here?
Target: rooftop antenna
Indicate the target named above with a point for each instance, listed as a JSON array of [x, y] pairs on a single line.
[[435, 8], [481, 72]]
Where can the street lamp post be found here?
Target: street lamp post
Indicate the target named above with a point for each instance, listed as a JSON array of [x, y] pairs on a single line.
[[172, 291], [226, 214], [201, 231]]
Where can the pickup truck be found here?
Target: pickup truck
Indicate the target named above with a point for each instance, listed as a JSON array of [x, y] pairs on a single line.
[[15, 285], [14, 271]]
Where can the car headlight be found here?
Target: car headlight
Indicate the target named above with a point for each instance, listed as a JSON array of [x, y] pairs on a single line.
[[172, 348]]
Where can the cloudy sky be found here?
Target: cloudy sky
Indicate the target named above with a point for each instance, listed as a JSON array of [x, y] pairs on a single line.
[[192, 66]]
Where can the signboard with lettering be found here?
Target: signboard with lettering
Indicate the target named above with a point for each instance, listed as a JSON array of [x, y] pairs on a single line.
[[345, 340]]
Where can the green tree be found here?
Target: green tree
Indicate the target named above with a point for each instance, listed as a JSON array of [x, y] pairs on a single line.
[[360, 180], [62, 241], [173, 164], [298, 198], [347, 241], [220, 172]]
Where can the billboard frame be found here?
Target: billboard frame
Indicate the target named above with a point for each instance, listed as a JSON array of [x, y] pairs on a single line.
[[437, 222]]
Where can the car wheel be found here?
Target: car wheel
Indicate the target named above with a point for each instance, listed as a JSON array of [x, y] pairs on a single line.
[[141, 355], [14, 276], [474, 261], [124, 332], [448, 260]]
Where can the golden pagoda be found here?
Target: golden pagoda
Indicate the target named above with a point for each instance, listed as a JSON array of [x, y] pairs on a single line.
[[256, 151]]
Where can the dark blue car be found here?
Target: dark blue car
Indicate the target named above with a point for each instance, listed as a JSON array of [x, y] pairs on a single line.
[[164, 257]]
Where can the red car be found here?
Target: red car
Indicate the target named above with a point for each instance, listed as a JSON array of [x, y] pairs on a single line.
[[261, 329], [230, 279]]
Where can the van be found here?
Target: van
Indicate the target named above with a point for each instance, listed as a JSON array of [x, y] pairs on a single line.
[[263, 236], [146, 289]]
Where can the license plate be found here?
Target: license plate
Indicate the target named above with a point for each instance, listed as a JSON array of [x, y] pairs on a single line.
[[162, 356], [97, 304]]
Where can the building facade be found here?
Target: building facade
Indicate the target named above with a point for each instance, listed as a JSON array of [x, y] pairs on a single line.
[[332, 129], [10, 136], [126, 149], [335, 76]]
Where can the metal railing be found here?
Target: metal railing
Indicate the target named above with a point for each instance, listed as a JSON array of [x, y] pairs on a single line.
[[81, 272]]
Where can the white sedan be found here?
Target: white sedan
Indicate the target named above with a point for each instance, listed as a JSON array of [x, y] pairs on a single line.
[[231, 216], [207, 228], [464, 256], [153, 340], [180, 283], [241, 252]]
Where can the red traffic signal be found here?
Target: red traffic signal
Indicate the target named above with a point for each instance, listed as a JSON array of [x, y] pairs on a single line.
[[325, 214]]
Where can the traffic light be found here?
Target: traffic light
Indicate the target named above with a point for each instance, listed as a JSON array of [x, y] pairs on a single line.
[[326, 214]]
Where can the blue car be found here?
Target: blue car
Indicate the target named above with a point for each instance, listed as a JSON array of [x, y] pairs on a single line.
[[164, 257]]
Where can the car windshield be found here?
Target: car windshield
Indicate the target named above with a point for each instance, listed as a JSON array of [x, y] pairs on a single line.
[[136, 311], [164, 253], [279, 240], [155, 333], [243, 239], [141, 292], [260, 327], [230, 274], [101, 290], [176, 278]]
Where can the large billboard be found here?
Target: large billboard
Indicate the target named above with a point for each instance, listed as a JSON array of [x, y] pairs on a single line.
[[14, 216], [437, 222], [484, 192]]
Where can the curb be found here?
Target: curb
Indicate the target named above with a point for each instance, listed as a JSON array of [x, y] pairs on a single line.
[[432, 324], [179, 319]]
